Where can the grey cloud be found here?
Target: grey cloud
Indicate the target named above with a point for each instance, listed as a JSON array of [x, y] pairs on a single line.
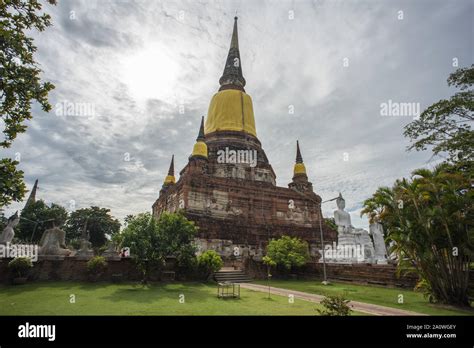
[[298, 62]]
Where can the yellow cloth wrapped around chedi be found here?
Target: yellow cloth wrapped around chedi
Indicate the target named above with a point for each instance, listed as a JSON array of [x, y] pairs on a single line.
[[232, 110]]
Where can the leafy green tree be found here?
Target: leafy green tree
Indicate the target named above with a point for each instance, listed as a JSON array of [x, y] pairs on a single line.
[[128, 218], [37, 217], [99, 224], [429, 217], [209, 262], [335, 305], [12, 186], [178, 233], [446, 125], [20, 83], [267, 260], [142, 237], [288, 252], [151, 241]]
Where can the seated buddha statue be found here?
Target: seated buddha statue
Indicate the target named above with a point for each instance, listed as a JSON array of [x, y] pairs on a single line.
[[341, 217]]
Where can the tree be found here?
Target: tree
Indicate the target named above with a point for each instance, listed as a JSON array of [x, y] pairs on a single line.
[[209, 262], [288, 252], [12, 186], [446, 125], [142, 237], [151, 241], [267, 260], [428, 217], [99, 224], [37, 217], [178, 233], [20, 83]]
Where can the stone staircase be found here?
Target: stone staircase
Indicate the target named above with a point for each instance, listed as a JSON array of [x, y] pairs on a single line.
[[228, 274]]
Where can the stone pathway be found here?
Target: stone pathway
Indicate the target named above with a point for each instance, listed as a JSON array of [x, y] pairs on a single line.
[[355, 305]]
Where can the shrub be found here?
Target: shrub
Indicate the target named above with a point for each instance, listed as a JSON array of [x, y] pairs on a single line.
[[424, 287], [335, 305], [288, 252], [210, 262], [20, 265], [96, 265]]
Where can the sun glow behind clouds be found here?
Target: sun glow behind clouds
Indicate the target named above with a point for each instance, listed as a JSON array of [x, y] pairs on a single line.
[[151, 73]]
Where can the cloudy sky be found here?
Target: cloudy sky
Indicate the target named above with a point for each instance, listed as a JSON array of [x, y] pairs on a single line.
[[135, 65]]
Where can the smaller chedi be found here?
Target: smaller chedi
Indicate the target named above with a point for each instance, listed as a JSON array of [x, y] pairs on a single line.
[[354, 245]]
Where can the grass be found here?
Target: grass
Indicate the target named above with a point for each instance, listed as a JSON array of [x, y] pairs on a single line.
[[53, 298], [412, 301]]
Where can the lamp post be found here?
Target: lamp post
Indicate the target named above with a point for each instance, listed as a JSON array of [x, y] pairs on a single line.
[[325, 280]]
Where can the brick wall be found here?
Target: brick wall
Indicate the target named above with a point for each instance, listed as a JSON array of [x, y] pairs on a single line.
[[359, 273], [71, 269]]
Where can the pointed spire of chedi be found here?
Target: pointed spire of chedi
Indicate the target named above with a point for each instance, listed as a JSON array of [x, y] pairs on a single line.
[[201, 131], [200, 147], [299, 168], [232, 77], [32, 197], [170, 179], [299, 158], [171, 168], [231, 108], [300, 179]]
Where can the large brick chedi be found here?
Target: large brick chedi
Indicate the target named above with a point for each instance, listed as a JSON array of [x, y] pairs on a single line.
[[228, 186]]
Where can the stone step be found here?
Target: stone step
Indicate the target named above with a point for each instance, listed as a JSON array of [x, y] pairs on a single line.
[[229, 275], [233, 276], [234, 281], [227, 269]]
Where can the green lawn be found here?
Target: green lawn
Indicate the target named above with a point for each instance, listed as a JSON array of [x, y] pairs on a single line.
[[52, 298], [413, 301]]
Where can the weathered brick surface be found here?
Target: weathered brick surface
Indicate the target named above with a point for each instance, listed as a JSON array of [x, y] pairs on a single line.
[[241, 203]]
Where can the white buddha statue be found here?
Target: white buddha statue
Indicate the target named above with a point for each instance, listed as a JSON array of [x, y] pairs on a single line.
[[8, 233], [351, 237], [376, 230], [345, 236], [341, 217]]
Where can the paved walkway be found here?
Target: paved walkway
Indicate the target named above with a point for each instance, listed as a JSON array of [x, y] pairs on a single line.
[[355, 305]]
